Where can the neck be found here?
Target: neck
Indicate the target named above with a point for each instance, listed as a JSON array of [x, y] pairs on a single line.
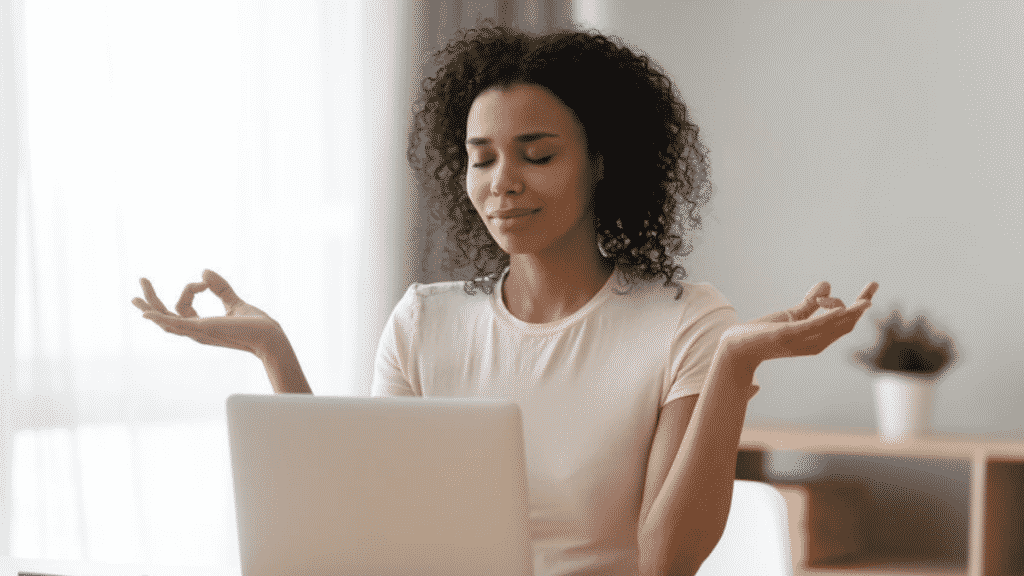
[[545, 288]]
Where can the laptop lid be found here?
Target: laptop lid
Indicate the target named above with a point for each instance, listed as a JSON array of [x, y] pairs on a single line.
[[388, 486]]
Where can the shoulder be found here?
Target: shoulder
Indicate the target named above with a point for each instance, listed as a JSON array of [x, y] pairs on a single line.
[[650, 311], [687, 302], [428, 302]]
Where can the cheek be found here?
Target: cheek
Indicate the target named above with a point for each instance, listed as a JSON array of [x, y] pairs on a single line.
[[568, 191], [475, 195]]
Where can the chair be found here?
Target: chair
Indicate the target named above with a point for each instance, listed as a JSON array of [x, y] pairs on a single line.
[[756, 540]]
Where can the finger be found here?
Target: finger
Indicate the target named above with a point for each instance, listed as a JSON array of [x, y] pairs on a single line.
[[184, 305], [858, 308], [809, 304], [818, 333], [141, 304], [830, 302], [868, 292], [827, 322], [820, 289], [222, 289], [151, 297]]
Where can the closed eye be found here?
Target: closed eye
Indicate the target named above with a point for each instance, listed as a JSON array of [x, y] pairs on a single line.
[[541, 161]]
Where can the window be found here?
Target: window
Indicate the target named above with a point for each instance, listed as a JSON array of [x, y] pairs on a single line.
[[164, 138]]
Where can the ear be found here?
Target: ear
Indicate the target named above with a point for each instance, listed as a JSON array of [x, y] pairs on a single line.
[[597, 167]]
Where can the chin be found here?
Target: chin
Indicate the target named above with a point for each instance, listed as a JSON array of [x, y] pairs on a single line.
[[519, 245]]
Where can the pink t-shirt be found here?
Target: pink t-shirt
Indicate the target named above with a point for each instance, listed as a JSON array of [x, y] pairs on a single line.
[[590, 387]]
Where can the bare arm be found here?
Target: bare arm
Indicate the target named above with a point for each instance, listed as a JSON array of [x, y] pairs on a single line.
[[686, 503], [283, 367], [681, 524]]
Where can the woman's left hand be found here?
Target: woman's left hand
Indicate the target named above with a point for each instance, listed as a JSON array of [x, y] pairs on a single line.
[[796, 331]]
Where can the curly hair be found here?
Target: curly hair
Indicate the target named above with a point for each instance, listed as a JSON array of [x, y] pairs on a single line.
[[656, 173]]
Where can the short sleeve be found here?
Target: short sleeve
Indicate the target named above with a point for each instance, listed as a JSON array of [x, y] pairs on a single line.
[[393, 365], [693, 349]]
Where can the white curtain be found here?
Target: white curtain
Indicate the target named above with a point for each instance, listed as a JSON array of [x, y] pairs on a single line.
[[158, 139], [264, 139]]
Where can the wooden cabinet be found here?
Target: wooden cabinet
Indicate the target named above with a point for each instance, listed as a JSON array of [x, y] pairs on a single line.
[[947, 505]]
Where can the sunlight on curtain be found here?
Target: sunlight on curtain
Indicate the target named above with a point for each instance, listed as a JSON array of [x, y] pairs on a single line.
[[164, 138]]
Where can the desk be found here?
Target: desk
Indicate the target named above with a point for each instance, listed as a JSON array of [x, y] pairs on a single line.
[[840, 524]]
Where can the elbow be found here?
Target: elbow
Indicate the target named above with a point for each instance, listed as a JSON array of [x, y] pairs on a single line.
[[658, 569], [684, 559]]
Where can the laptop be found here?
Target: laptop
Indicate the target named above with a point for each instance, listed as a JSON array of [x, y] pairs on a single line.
[[379, 486]]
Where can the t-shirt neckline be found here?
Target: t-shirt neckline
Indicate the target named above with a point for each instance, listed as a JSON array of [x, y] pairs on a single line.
[[503, 312]]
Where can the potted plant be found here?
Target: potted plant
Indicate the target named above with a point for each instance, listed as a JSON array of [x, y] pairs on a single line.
[[908, 360]]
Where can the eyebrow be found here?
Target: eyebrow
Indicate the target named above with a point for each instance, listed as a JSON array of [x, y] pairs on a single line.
[[532, 137]]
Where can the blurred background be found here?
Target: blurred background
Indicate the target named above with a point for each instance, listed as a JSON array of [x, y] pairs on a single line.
[[849, 142]]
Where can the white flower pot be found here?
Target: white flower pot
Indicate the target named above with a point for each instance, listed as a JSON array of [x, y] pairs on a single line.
[[903, 407]]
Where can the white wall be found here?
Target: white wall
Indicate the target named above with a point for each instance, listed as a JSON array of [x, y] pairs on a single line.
[[854, 142]]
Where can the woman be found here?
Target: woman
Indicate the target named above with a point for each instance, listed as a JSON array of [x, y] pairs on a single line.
[[567, 168]]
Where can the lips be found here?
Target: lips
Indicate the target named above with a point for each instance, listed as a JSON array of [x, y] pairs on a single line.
[[513, 212]]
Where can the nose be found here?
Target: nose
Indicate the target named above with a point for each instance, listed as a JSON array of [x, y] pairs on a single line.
[[505, 179]]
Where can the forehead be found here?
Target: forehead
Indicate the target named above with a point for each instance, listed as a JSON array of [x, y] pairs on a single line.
[[507, 112]]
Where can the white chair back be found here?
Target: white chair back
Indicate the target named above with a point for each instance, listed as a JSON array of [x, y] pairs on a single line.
[[756, 540]]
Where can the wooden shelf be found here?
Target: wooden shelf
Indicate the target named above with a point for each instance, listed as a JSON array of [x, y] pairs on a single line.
[[942, 504], [881, 570], [834, 442]]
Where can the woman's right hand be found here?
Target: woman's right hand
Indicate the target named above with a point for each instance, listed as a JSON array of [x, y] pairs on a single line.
[[243, 326]]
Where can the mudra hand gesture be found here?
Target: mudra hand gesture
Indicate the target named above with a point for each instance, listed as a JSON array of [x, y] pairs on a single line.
[[796, 331], [243, 326]]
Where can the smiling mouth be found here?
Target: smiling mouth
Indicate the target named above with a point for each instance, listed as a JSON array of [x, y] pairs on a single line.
[[512, 214], [512, 220]]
